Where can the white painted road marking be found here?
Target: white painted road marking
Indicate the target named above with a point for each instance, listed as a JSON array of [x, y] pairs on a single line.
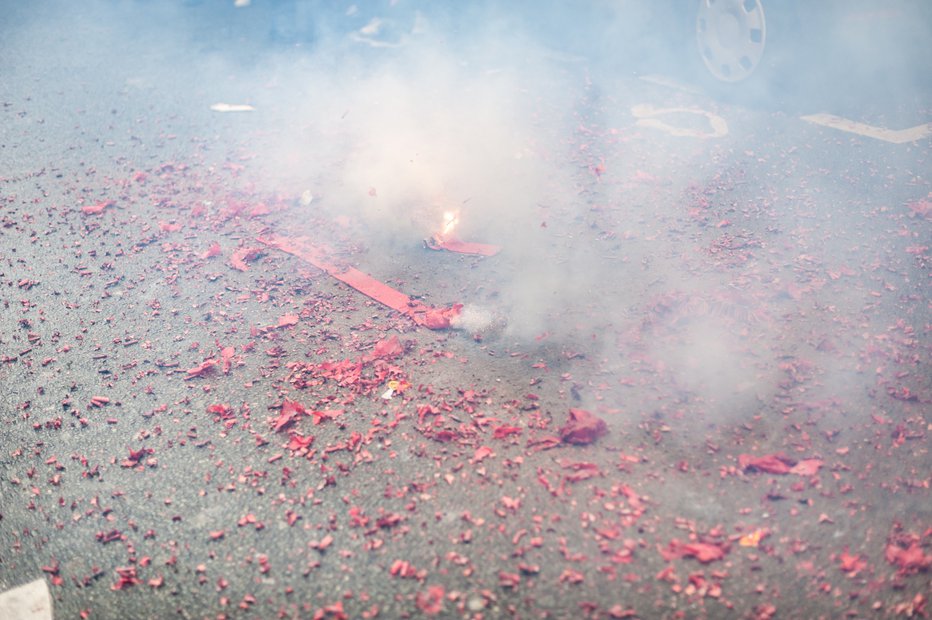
[[896, 136], [646, 118]]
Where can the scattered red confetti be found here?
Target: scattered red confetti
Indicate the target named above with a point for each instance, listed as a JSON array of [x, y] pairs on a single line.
[[582, 428]]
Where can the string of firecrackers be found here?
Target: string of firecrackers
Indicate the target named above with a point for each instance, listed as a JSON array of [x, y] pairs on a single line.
[[317, 255]]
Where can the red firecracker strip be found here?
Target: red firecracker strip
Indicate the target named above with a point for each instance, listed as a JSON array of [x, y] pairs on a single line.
[[422, 314], [462, 247]]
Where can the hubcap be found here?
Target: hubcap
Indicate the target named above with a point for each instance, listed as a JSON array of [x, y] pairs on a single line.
[[731, 35]]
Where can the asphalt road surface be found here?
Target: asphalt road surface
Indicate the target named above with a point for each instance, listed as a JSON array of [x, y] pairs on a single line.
[[694, 383]]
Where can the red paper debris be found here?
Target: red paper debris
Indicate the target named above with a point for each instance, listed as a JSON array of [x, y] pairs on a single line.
[[508, 580], [428, 316], [482, 453], [703, 552], [431, 602], [201, 369], [777, 463], [387, 349], [582, 428], [327, 414], [286, 320], [226, 356], [126, 577], [240, 256], [908, 559], [852, 564], [807, 467], [96, 209], [921, 208], [289, 413], [502, 431], [213, 250]]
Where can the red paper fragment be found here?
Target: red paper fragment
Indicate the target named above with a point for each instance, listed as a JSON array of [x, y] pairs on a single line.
[[422, 314], [807, 467], [259, 210], [852, 564], [508, 580], [289, 413], [226, 356], [126, 577], [201, 369], [387, 348], [213, 250], [777, 463], [431, 602], [921, 208], [286, 320], [908, 559], [502, 431], [482, 453], [582, 427], [96, 209], [703, 552], [240, 256], [327, 414]]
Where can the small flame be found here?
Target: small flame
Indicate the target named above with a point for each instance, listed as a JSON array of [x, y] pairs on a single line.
[[450, 220]]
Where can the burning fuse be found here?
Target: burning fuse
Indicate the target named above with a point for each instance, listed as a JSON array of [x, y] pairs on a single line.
[[444, 240]]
